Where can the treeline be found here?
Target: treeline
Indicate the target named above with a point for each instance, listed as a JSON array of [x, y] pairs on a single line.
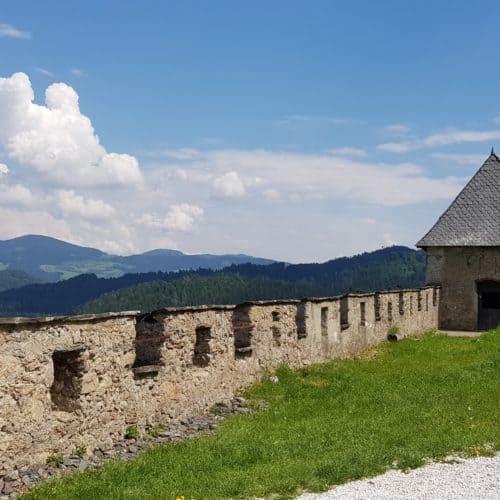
[[195, 290], [389, 268]]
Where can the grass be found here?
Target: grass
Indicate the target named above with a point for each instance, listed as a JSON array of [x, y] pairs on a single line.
[[326, 424]]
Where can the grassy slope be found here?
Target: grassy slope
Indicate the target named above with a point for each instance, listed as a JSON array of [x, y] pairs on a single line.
[[326, 424]]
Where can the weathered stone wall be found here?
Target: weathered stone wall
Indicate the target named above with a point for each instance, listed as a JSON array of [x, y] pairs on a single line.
[[457, 270], [77, 382]]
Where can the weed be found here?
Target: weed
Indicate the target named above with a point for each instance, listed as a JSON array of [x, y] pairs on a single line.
[[55, 459], [132, 432], [155, 431], [80, 451]]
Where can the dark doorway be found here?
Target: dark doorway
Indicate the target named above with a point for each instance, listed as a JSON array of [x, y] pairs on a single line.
[[488, 308]]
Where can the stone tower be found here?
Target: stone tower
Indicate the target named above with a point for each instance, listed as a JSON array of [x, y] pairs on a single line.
[[463, 253]]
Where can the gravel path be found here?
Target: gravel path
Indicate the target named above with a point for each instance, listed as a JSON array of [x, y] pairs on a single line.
[[475, 478]]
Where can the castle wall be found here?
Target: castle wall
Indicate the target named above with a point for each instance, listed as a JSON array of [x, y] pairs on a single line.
[[457, 270], [81, 381]]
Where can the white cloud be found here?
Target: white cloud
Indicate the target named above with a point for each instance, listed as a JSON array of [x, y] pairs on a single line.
[[229, 185], [56, 140], [301, 176], [459, 159], [73, 204], [4, 169], [354, 152], [271, 194], [180, 218], [440, 139], [79, 73], [397, 129], [9, 31], [33, 222], [44, 72], [15, 194]]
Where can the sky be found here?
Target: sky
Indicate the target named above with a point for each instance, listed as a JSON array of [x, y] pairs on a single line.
[[294, 130]]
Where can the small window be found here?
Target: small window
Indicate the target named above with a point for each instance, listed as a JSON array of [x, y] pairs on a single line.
[[344, 313], [69, 367], [411, 304], [426, 301], [300, 321], [201, 355], [324, 321], [434, 297], [419, 300], [401, 303], [242, 332], [389, 311], [377, 306], [362, 313], [276, 316], [149, 340]]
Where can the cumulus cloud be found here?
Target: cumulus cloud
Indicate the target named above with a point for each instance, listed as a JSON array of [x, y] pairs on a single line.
[[229, 185], [180, 218], [72, 203], [9, 31], [440, 139], [56, 140]]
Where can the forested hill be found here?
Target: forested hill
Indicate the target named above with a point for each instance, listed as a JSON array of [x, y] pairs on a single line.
[[196, 290], [394, 267]]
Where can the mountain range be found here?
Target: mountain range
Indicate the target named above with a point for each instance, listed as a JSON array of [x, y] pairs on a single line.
[[388, 268], [35, 258]]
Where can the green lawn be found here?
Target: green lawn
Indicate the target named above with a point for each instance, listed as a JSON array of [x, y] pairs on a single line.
[[326, 424]]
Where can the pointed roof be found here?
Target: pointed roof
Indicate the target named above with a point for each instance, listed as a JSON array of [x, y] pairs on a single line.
[[473, 218]]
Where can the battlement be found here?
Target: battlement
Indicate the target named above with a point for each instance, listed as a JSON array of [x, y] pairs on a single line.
[[80, 381]]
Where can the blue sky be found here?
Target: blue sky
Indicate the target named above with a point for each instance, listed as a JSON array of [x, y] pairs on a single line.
[[293, 130]]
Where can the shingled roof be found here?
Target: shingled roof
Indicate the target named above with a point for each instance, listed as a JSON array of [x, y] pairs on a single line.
[[473, 219]]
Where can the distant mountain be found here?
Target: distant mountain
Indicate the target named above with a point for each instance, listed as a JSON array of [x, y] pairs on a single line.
[[36, 254], [50, 259], [388, 268]]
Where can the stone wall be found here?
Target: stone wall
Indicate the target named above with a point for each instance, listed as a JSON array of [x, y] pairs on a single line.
[[458, 270], [81, 381]]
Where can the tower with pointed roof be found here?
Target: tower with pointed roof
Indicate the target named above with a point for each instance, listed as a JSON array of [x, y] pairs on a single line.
[[463, 253]]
